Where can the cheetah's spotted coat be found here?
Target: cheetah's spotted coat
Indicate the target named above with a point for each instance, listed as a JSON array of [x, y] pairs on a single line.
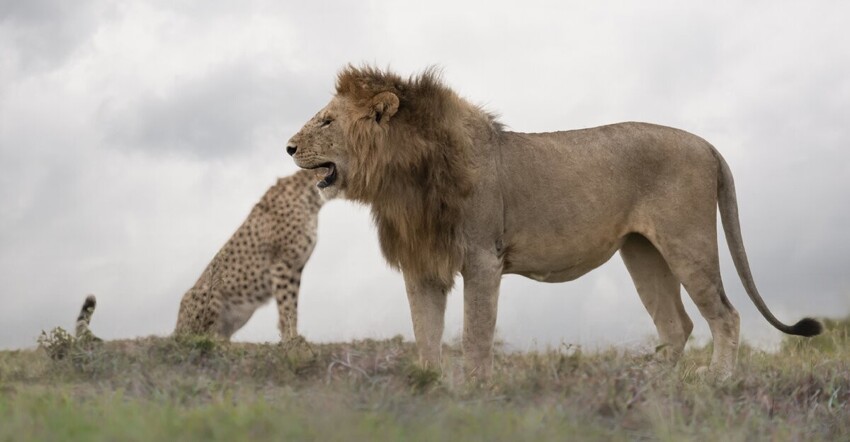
[[263, 259]]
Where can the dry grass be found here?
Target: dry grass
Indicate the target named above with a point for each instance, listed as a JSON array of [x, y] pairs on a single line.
[[194, 389]]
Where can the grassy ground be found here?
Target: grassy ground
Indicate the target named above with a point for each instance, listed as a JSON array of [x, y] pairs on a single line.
[[198, 389]]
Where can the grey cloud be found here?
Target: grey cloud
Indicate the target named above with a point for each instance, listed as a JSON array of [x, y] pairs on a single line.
[[214, 116], [45, 33]]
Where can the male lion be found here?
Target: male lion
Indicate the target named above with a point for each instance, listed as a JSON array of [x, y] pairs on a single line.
[[452, 191]]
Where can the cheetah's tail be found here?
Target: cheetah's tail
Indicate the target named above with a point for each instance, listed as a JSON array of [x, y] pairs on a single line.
[[83, 320]]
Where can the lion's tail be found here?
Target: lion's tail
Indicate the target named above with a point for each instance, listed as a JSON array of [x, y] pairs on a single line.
[[728, 204], [84, 318]]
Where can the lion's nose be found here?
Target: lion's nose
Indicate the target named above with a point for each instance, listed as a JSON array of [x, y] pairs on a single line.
[[290, 149]]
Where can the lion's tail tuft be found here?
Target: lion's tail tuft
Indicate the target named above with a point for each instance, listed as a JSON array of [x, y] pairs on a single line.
[[806, 327]]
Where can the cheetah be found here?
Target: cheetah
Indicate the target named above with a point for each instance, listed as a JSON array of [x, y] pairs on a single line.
[[263, 259]]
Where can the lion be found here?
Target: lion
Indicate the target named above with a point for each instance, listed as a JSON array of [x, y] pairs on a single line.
[[452, 191]]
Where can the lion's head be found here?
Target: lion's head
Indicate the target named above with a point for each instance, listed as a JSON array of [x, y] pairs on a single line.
[[321, 146], [401, 146], [354, 125]]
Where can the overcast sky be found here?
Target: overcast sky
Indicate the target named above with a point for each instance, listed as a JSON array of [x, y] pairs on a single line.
[[136, 136]]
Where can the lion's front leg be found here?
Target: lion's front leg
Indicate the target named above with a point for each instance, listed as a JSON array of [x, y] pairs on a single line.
[[427, 307], [481, 279]]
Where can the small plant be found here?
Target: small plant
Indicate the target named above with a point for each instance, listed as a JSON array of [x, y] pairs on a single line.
[[205, 345], [421, 379], [58, 343]]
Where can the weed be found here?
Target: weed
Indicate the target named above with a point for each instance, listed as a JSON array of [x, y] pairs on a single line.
[[195, 388]]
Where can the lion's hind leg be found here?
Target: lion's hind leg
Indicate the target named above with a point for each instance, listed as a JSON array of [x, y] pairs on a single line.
[[694, 261], [659, 290]]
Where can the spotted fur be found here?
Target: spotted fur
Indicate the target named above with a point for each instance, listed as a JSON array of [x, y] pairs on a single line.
[[262, 260], [82, 330]]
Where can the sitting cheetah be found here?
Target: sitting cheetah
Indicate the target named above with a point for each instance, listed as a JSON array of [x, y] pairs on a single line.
[[263, 259]]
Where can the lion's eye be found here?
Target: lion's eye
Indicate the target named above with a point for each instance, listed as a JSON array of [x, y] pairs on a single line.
[[326, 122]]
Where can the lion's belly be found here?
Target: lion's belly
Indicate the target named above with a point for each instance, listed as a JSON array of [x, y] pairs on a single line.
[[559, 259]]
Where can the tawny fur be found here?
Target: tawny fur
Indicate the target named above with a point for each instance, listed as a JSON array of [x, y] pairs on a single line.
[[452, 191]]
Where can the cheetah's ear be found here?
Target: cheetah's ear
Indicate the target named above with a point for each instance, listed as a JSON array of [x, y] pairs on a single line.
[[384, 106]]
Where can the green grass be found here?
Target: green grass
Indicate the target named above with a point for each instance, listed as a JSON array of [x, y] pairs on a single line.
[[201, 389]]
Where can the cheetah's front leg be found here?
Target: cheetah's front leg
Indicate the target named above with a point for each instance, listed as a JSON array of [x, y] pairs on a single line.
[[286, 282]]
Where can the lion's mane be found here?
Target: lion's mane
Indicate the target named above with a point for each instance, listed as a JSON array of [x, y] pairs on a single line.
[[414, 170]]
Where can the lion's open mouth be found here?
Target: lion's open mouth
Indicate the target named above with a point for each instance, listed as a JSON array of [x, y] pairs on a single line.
[[326, 173]]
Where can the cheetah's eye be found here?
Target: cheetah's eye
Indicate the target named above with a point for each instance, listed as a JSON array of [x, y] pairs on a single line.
[[326, 122]]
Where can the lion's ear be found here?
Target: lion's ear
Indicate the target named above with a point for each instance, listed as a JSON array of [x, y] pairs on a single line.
[[384, 106]]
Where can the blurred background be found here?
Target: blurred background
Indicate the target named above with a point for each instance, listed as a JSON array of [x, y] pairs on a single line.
[[136, 136]]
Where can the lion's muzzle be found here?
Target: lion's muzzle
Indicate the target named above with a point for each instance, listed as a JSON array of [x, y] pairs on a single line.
[[326, 173]]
